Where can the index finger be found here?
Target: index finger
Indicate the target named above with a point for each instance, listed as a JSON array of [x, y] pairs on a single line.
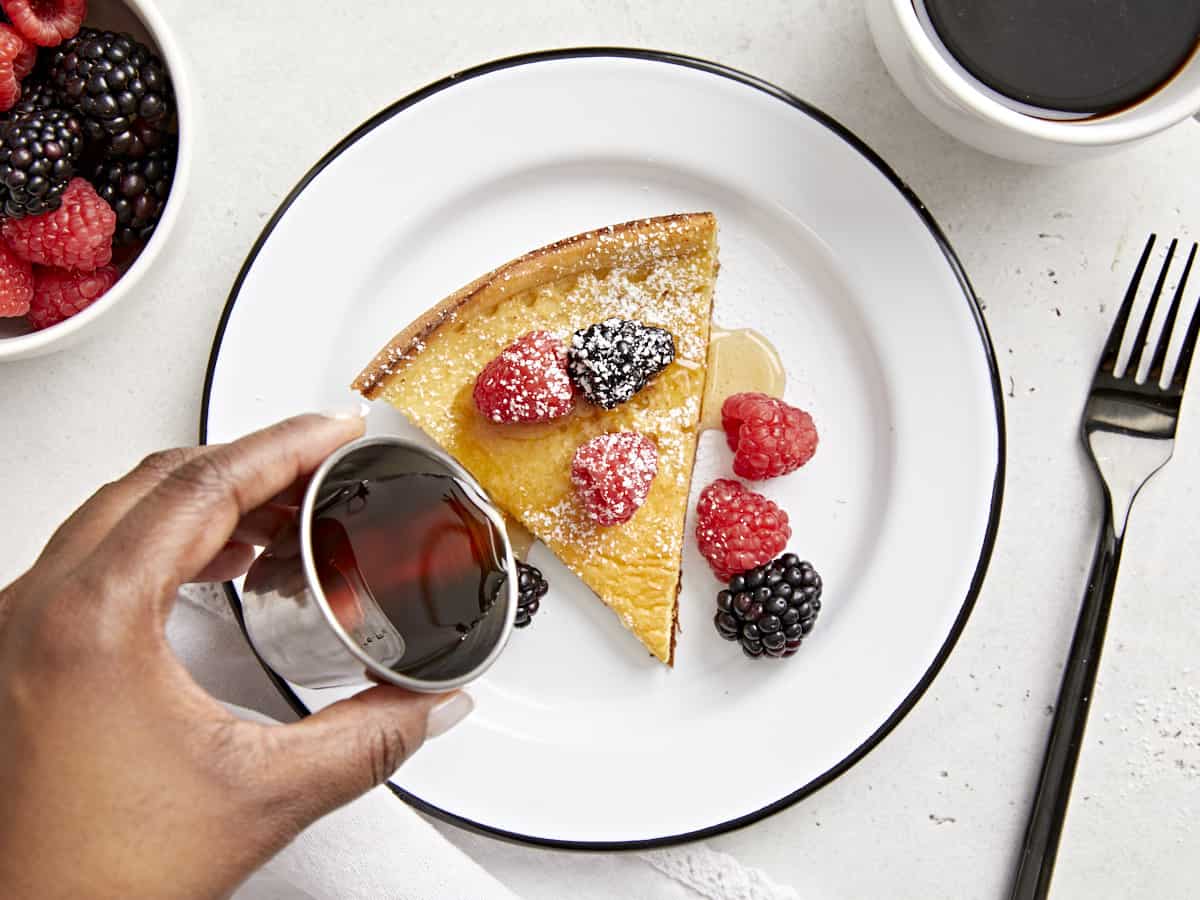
[[86, 527], [176, 529]]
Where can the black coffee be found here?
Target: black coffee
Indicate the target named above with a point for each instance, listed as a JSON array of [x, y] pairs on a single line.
[[410, 568], [1077, 56]]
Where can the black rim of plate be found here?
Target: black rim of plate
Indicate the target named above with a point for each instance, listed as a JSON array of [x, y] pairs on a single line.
[[872, 157]]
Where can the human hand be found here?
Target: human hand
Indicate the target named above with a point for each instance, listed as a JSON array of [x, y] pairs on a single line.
[[119, 775]]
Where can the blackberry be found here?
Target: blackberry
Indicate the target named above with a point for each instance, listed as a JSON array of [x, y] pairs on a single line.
[[111, 81], [35, 94], [38, 94], [137, 140], [612, 361], [531, 587], [38, 154], [137, 191], [770, 609]]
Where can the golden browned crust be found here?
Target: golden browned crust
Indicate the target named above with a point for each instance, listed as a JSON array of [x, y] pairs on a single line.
[[629, 243]]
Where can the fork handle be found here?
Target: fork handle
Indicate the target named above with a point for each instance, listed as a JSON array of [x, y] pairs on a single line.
[[1070, 719]]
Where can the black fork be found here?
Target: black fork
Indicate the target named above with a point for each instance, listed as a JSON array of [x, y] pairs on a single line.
[[1129, 430]]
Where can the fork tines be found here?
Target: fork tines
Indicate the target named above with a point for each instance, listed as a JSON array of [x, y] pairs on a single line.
[[1141, 342]]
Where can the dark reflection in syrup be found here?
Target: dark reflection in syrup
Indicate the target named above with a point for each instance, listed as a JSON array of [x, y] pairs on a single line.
[[410, 567]]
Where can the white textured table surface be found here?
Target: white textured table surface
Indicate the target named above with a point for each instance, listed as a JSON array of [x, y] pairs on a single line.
[[938, 809]]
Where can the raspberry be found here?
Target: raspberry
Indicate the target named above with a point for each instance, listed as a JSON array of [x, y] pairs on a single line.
[[9, 94], [77, 235], [60, 293], [738, 529], [14, 57], [25, 59], [527, 382], [46, 22], [16, 283], [767, 436], [612, 474]]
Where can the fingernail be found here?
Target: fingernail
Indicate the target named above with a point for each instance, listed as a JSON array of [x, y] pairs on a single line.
[[447, 714], [353, 409]]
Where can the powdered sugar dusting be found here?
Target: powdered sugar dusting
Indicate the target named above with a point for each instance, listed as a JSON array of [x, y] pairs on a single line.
[[527, 382], [612, 360], [612, 474], [664, 297]]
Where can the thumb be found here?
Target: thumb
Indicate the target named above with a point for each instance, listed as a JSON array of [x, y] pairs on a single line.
[[351, 746]]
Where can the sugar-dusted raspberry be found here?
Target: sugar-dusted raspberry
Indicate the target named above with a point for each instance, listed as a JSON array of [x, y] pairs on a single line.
[[46, 23], [738, 529], [77, 235], [60, 293], [767, 436], [16, 283], [527, 382], [612, 474]]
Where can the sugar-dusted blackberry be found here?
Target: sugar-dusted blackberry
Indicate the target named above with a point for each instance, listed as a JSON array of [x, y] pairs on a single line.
[[769, 610], [614, 359], [39, 151], [110, 80], [137, 191], [531, 588]]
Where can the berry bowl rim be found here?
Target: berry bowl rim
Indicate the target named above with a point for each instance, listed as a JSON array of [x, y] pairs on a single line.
[[62, 335]]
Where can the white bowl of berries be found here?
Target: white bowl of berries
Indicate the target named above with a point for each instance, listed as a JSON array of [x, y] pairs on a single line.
[[94, 112]]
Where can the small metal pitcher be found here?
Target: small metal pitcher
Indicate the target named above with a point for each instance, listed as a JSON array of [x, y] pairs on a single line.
[[288, 617]]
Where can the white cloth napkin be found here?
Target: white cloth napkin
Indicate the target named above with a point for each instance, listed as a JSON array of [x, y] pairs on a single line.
[[374, 848], [381, 849]]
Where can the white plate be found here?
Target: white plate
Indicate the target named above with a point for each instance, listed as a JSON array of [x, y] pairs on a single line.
[[580, 739]]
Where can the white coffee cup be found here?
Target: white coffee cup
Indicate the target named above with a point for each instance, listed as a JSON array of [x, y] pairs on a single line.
[[965, 108]]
